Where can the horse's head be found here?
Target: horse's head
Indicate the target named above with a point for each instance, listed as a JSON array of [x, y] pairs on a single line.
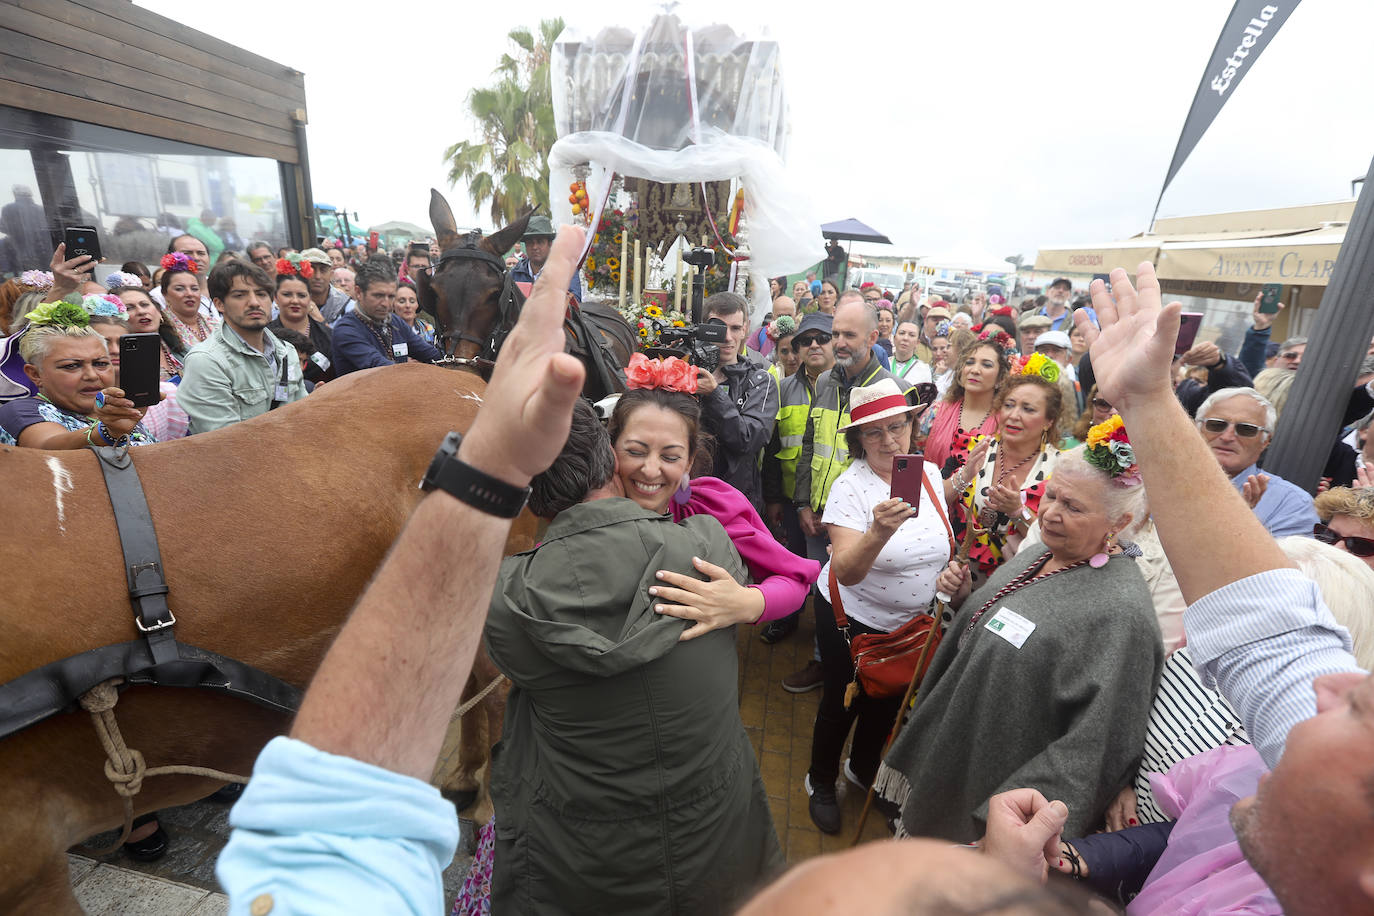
[[463, 291]]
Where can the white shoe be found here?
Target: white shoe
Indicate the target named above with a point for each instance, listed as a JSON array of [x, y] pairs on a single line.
[[849, 775]]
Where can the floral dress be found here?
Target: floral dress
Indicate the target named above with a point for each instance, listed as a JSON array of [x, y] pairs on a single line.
[[51, 413], [988, 549]]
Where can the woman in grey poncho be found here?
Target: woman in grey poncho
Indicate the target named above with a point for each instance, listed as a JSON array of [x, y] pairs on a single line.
[[1046, 674]]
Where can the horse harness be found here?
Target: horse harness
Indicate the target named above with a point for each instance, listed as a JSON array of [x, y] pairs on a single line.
[[512, 300], [157, 658]]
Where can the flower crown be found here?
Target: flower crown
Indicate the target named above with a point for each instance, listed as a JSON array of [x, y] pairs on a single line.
[[36, 279], [1041, 365], [671, 374], [60, 314], [996, 336], [943, 328], [1109, 450], [294, 266], [107, 305], [119, 278], [178, 261]]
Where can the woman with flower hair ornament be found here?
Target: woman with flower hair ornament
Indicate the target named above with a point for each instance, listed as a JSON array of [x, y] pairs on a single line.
[[181, 291], [997, 492], [78, 403], [969, 407], [1046, 675]]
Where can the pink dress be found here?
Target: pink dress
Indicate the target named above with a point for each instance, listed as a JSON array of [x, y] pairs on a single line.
[[782, 576], [946, 438]]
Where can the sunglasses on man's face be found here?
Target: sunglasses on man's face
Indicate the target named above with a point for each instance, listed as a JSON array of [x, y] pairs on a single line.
[[1101, 404], [1360, 547], [1291, 354], [802, 343], [1216, 426]]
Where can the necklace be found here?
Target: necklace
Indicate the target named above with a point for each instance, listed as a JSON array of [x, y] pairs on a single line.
[[1020, 580], [981, 420], [987, 515]]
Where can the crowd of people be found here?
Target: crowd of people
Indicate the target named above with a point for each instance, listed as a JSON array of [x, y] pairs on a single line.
[[1074, 718]]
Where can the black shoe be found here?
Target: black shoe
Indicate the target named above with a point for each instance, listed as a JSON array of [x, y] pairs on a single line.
[[824, 807], [227, 795], [151, 847], [778, 630]]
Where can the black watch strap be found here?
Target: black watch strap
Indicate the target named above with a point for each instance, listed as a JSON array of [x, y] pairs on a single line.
[[467, 484]]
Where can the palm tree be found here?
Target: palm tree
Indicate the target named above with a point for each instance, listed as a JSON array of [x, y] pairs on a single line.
[[507, 167]]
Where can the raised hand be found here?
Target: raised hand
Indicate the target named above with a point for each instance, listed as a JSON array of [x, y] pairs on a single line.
[[1133, 355], [1253, 489]]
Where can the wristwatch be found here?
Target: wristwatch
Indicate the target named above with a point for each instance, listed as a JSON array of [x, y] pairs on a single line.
[[467, 484]]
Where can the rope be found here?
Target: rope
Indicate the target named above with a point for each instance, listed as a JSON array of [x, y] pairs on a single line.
[[465, 708], [125, 767]]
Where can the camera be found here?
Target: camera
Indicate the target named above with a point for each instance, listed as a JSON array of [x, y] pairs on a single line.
[[696, 344], [700, 257]]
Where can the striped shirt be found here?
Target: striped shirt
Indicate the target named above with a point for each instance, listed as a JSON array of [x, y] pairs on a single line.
[[1186, 719], [1261, 641]]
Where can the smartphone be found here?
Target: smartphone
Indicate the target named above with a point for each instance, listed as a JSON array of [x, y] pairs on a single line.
[[907, 473], [1270, 294], [82, 240], [317, 367], [1188, 325], [140, 362]]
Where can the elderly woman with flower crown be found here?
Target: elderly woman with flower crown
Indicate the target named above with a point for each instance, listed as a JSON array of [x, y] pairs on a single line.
[[78, 403], [996, 494], [1046, 675]]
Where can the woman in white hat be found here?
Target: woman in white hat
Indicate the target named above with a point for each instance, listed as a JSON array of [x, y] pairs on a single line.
[[885, 557]]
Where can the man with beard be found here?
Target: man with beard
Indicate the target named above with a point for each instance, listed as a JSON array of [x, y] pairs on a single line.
[[1057, 309], [241, 370], [372, 334]]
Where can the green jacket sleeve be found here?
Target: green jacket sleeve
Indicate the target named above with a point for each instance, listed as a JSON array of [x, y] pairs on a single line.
[[206, 394]]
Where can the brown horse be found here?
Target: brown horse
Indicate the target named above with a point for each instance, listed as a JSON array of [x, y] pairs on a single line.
[[269, 532], [475, 305]]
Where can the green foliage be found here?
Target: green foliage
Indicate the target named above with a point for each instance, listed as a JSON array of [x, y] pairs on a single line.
[[506, 167]]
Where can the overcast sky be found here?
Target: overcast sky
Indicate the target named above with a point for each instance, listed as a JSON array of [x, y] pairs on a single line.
[[997, 126]]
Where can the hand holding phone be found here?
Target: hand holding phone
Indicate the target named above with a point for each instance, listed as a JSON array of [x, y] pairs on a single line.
[[81, 240], [1188, 325], [1271, 298], [907, 473]]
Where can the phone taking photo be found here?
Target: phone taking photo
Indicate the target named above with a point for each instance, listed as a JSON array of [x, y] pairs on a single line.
[[907, 474], [1189, 323], [1270, 294], [140, 364], [81, 240]]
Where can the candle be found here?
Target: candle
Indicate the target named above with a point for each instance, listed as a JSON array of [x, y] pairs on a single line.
[[691, 306], [637, 285], [677, 287], [624, 267]]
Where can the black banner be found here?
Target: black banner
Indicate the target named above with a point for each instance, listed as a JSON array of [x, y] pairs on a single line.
[[1248, 31]]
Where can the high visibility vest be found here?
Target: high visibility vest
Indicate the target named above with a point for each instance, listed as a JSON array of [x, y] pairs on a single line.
[[794, 403], [830, 454]]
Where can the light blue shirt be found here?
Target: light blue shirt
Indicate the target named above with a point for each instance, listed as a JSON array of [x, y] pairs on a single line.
[[1285, 508], [1261, 641], [322, 833]]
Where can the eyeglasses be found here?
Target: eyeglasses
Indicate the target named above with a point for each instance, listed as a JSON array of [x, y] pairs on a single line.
[[1216, 426], [1101, 404], [801, 343], [1360, 547], [1291, 354], [877, 434]]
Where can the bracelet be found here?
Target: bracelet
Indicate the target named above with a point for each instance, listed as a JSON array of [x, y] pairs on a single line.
[[89, 431]]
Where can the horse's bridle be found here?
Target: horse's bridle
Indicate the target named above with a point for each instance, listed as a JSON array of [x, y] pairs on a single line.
[[510, 303]]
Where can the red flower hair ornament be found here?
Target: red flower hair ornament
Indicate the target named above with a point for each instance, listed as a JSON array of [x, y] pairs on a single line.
[[178, 261], [671, 374], [295, 268]]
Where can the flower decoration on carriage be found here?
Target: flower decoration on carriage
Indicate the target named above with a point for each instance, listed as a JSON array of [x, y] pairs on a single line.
[[36, 279], [106, 305], [1041, 365], [119, 279], [671, 374], [293, 265], [1109, 449], [649, 319], [178, 261], [61, 314]]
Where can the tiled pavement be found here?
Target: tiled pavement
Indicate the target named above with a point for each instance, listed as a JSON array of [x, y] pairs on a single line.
[[779, 725]]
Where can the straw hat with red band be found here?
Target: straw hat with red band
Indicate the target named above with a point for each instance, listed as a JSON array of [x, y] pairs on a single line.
[[878, 401]]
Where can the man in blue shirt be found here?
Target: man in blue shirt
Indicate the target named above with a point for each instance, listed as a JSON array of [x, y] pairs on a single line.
[[1057, 307], [371, 335], [538, 238], [1237, 424]]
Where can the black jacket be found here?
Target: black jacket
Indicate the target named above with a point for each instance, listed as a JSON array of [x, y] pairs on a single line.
[[740, 415]]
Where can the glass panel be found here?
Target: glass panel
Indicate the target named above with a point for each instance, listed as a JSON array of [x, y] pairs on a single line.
[[138, 191]]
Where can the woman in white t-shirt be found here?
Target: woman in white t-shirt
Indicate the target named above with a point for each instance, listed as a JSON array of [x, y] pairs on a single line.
[[886, 556]]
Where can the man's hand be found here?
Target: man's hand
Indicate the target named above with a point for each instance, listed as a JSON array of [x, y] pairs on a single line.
[[706, 382], [1133, 355], [1253, 489], [1203, 354], [810, 525], [1259, 319], [527, 407], [1024, 828], [772, 514]]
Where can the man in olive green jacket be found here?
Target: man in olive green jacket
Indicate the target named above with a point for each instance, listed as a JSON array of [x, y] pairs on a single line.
[[241, 370], [624, 781]]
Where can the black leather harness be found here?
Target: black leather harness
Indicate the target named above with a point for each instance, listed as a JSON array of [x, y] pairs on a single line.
[[157, 658]]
